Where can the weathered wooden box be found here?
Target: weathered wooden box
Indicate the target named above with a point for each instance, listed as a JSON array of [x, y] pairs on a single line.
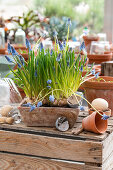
[[28, 148]]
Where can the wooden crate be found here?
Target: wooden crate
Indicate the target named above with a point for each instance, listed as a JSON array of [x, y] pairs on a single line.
[[26, 148]]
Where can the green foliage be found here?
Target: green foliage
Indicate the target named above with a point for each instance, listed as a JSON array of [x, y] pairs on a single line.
[[60, 25], [27, 20], [92, 18]]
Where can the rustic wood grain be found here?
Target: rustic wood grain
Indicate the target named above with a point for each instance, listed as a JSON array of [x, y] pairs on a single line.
[[107, 146], [77, 150], [108, 164], [21, 162]]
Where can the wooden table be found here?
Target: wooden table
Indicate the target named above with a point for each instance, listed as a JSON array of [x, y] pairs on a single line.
[[27, 148]]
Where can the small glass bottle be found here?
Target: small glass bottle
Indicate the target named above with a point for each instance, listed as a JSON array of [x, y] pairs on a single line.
[[2, 38], [20, 37], [4, 93]]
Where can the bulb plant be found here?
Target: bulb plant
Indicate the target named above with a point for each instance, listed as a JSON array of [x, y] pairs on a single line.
[[52, 76]]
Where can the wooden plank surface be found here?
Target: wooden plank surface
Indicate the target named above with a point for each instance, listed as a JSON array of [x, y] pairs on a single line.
[[75, 132], [107, 147], [108, 164], [68, 149], [21, 162]]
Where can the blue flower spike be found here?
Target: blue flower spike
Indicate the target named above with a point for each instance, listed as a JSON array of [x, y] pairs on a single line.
[[58, 57], [81, 68], [93, 71], [8, 59], [26, 105], [82, 108], [82, 46], [39, 104], [97, 75], [21, 59], [49, 87], [61, 46], [9, 48], [51, 98], [55, 34], [69, 22], [28, 45], [32, 107], [41, 46], [49, 81], [105, 117], [13, 51], [19, 65]]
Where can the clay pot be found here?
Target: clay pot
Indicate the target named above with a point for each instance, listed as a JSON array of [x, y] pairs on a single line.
[[25, 55], [107, 112], [97, 70], [99, 58], [100, 89], [47, 116], [23, 95], [2, 51], [88, 40], [94, 123]]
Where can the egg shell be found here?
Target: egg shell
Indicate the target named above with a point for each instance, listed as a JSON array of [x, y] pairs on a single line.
[[9, 120], [100, 104], [3, 119], [5, 110]]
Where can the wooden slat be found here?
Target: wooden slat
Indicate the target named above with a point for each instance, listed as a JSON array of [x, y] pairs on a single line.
[[21, 162], [107, 147], [68, 149], [108, 164]]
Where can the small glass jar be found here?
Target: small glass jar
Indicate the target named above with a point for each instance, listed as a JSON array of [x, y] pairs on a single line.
[[99, 47], [20, 37], [2, 38], [4, 93]]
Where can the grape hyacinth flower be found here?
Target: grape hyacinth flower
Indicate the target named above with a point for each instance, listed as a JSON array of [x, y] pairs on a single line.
[[9, 48], [81, 68], [51, 98], [19, 65], [49, 81], [64, 43], [49, 87], [82, 46], [13, 51], [55, 34], [35, 73], [97, 75], [27, 105], [21, 59], [39, 104], [69, 22], [32, 107], [61, 46], [82, 108], [8, 59], [51, 52], [58, 57], [105, 117], [28, 45], [93, 71], [41, 46]]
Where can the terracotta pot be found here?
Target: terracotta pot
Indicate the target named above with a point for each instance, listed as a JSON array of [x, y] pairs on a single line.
[[88, 40], [47, 116], [18, 48], [99, 58], [23, 95], [97, 70], [107, 112], [2, 51], [94, 123], [100, 89]]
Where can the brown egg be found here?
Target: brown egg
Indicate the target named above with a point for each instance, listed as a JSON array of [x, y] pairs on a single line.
[[5, 110]]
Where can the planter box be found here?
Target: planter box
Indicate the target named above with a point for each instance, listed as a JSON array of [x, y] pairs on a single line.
[[47, 116], [42, 148]]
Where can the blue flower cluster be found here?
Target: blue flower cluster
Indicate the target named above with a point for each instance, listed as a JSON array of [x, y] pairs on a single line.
[[105, 117]]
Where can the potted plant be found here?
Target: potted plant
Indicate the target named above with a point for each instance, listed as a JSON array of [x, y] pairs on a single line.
[[100, 87], [50, 81]]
